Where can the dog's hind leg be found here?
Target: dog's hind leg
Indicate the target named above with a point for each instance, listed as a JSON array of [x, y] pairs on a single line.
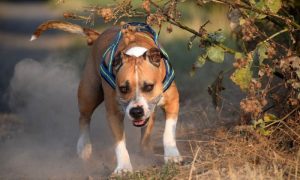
[[90, 95]]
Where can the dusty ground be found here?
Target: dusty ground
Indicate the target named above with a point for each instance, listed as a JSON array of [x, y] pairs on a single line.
[[39, 137], [41, 150], [38, 133]]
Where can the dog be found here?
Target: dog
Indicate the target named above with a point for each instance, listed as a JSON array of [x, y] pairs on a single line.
[[132, 76]]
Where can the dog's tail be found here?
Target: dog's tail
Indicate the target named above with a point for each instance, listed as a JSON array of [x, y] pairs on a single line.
[[90, 34]]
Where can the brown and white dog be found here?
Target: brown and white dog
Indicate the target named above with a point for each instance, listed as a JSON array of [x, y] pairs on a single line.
[[139, 71]]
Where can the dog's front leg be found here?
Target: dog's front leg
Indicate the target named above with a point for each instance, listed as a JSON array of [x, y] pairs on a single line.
[[116, 122], [171, 109], [171, 152]]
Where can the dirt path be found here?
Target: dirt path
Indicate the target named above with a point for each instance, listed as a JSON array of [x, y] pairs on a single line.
[[43, 96], [39, 142]]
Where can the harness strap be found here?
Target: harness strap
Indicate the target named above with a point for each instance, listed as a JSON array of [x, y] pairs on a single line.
[[106, 71]]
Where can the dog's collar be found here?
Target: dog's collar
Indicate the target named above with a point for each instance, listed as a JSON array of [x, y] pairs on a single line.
[[106, 70]]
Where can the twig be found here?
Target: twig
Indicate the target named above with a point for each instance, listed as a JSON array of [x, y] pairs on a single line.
[[282, 119], [193, 163], [191, 147], [297, 163], [274, 87], [291, 129], [182, 26], [191, 140], [274, 35]]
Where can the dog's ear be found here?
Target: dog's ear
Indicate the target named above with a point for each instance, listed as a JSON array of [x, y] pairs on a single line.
[[154, 55], [118, 60]]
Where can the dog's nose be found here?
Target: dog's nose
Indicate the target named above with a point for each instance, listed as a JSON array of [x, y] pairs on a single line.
[[137, 112]]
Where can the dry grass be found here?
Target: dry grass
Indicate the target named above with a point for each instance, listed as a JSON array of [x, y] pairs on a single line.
[[229, 151], [238, 153]]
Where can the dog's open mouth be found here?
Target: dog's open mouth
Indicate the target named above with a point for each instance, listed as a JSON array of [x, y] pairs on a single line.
[[140, 122]]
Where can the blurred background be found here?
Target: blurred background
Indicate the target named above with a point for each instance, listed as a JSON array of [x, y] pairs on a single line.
[[38, 86]]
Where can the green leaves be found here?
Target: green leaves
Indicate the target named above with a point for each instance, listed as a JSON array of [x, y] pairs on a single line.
[[265, 5], [211, 49], [198, 64], [242, 77], [262, 124], [216, 37], [269, 117], [200, 61], [215, 54], [261, 51], [259, 55], [273, 5]]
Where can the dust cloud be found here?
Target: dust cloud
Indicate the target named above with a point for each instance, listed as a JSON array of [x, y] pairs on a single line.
[[44, 95]]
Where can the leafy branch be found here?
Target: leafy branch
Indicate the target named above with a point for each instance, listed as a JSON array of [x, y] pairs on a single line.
[[184, 27], [260, 57], [234, 4]]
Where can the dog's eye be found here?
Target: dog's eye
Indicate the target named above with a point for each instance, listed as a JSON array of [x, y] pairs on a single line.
[[124, 89], [148, 87]]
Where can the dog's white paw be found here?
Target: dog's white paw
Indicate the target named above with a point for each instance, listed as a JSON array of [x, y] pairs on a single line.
[[172, 155], [123, 160], [84, 147], [123, 169]]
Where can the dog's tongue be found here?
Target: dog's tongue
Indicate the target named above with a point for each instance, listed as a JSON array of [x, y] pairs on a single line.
[[138, 122]]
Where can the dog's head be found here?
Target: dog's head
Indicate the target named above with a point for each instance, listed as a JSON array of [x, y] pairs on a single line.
[[139, 83]]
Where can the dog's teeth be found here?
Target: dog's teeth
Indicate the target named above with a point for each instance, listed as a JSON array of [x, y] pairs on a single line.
[[33, 37]]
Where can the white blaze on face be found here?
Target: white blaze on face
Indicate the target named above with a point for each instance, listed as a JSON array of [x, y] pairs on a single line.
[[136, 81], [138, 100], [136, 51]]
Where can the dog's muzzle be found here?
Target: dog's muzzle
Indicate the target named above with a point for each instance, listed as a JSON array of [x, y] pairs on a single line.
[[138, 114]]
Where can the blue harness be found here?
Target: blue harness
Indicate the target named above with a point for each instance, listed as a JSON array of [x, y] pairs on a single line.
[[106, 70]]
